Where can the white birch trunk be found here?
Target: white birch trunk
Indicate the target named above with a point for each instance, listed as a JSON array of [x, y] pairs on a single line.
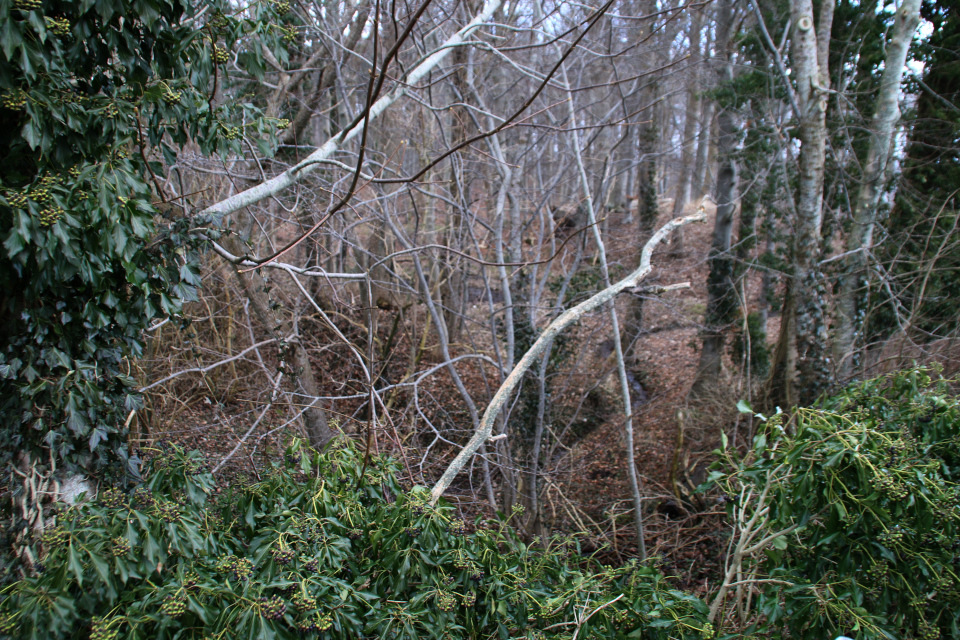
[[800, 370], [875, 173]]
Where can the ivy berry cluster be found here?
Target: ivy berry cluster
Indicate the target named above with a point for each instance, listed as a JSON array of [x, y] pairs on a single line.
[[27, 5], [104, 629], [446, 601], [58, 26], [121, 546], [303, 602], [55, 537], [239, 568], [271, 608], [316, 623], [191, 580], [169, 512], [172, 97], [283, 556], [17, 200], [174, 605], [14, 100], [473, 570], [231, 133], [890, 486], [896, 535], [457, 527], [112, 498], [50, 216], [879, 573], [219, 54]]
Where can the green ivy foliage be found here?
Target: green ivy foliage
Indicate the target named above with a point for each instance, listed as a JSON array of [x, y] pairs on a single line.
[[872, 478], [95, 96], [323, 545]]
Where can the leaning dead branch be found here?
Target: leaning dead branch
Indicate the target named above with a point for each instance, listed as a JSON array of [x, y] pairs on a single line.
[[546, 337]]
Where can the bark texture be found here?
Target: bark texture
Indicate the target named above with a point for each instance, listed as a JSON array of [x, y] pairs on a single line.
[[721, 296]]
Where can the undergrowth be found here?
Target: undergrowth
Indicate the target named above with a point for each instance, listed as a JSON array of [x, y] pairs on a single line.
[[325, 546], [868, 486]]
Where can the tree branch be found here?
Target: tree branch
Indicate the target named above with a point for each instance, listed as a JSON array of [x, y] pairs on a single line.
[[310, 163], [546, 337]]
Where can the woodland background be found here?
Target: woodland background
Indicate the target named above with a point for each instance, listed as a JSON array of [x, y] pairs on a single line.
[[226, 225]]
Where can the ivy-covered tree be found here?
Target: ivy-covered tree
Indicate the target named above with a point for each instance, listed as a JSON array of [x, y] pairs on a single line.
[[96, 98], [861, 499]]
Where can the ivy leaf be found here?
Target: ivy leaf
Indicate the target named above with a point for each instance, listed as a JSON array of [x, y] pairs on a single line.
[[98, 436], [103, 570], [31, 134], [73, 563], [10, 39]]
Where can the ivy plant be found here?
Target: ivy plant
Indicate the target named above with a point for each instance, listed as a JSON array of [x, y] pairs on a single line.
[[322, 545], [871, 478], [96, 98]]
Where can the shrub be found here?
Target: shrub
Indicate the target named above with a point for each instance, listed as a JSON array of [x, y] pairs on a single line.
[[321, 546], [872, 478]]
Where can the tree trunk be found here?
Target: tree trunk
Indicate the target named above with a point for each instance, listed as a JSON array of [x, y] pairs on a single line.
[[454, 275], [698, 185], [767, 280], [647, 210], [875, 172], [801, 379], [721, 297], [691, 118]]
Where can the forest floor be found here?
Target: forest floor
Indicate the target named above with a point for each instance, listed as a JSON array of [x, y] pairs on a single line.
[[681, 525]]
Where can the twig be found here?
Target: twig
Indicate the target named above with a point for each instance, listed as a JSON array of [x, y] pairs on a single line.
[[207, 368], [583, 621], [255, 424]]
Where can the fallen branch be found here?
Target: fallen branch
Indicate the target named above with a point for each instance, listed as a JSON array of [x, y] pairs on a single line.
[[546, 337]]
